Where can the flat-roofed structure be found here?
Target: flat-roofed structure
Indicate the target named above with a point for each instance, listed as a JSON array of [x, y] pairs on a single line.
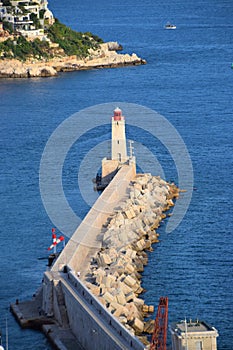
[[193, 335]]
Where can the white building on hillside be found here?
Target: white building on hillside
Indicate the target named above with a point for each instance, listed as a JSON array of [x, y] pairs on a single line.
[[27, 17]]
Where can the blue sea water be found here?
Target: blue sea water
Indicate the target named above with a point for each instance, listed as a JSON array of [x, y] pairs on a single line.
[[188, 79]]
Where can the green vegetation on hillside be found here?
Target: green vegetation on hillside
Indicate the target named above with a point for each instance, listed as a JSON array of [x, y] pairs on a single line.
[[72, 42], [7, 26], [21, 48], [36, 21]]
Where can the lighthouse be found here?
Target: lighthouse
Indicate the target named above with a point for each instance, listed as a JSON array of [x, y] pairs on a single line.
[[119, 157], [119, 149]]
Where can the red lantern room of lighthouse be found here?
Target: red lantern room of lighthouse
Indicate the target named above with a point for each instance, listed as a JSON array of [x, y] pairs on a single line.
[[118, 115]]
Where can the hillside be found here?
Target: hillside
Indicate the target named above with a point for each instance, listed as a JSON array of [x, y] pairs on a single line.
[[61, 41], [28, 29], [35, 44]]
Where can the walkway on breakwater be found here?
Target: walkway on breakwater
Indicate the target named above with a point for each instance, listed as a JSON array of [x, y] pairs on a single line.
[[100, 309], [67, 305], [88, 237]]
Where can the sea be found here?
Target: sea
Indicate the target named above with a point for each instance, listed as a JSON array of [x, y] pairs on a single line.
[[189, 81]]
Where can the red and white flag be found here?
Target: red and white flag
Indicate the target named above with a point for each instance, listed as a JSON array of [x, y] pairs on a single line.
[[55, 239]]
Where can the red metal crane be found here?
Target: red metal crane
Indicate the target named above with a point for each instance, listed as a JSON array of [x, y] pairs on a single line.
[[159, 337]]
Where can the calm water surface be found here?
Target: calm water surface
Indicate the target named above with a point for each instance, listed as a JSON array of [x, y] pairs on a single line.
[[188, 79]]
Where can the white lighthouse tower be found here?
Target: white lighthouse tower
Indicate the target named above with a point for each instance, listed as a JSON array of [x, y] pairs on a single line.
[[119, 149], [119, 156]]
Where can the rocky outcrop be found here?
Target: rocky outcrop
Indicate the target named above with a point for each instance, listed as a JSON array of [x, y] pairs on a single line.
[[104, 57], [18, 69], [114, 46], [114, 274]]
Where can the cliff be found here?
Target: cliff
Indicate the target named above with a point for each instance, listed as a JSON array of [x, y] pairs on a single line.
[[106, 56]]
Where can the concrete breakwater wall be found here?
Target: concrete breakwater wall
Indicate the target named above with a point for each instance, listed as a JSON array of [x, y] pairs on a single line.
[[114, 274], [89, 320], [66, 299], [87, 239], [120, 226], [101, 308]]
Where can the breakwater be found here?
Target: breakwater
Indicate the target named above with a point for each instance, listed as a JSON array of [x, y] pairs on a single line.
[[114, 273], [108, 249]]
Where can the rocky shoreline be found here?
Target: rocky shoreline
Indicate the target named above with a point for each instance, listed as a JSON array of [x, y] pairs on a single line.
[[105, 57], [114, 275]]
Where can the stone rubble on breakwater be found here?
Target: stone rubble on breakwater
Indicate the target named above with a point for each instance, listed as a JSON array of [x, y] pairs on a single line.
[[104, 57], [114, 275]]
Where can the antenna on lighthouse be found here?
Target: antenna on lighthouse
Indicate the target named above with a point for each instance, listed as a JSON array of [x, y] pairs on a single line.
[[131, 149]]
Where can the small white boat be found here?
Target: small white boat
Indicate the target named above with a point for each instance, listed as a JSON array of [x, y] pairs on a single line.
[[170, 26]]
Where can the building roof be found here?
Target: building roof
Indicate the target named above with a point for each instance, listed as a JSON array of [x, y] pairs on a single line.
[[191, 327]]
